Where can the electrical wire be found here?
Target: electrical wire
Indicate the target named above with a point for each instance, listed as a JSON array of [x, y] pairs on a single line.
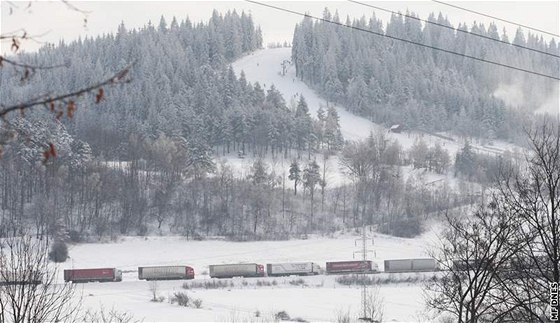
[[493, 17], [406, 41], [452, 28]]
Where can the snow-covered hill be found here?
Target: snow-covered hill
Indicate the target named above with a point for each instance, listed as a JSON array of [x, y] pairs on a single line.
[[264, 66], [320, 299]]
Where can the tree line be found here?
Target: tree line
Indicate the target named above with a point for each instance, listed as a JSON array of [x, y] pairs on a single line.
[[391, 82], [502, 257], [181, 85]]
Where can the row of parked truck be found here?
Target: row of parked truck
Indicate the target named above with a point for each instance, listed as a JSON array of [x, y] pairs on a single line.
[[253, 270]]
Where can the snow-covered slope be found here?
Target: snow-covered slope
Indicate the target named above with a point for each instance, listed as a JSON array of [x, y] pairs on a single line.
[[264, 66], [242, 167], [320, 300]]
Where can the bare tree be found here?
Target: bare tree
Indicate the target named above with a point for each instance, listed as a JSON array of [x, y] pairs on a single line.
[[154, 288], [374, 305], [343, 316], [363, 161], [501, 261], [29, 291], [107, 316], [532, 196], [472, 251], [57, 104]]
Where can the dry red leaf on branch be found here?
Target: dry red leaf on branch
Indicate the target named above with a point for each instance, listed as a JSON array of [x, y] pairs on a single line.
[[99, 95], [50, 152]]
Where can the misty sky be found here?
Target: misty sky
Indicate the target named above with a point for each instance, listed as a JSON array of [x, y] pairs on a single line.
[[54, 21]]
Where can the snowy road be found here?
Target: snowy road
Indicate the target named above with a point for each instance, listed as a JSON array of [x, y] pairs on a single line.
[[321, 300]]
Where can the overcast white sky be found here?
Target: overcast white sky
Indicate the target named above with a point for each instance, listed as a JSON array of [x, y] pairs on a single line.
[[58, 22]]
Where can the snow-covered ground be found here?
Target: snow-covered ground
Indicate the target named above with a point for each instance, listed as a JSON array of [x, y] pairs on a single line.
[[264, 66], [321, 300], [242, 167]]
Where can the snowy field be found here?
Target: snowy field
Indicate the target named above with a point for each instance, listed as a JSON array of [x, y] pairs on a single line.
[[320, 299]]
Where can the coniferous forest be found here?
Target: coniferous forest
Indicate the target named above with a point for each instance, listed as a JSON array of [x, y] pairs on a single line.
[[391, 82], [146, 159]]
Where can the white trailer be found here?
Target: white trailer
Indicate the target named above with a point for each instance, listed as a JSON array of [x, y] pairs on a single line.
[[236, 270], [292, 268], [426, 264], [165, 272], [20, 278], [410, 265]]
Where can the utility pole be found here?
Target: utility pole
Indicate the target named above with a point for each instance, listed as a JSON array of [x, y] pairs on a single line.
[[365, 270]]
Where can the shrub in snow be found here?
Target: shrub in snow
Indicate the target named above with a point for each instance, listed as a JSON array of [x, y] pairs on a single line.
[[343, 317], [75, 236], [197, 303], [410, 278], [212, 284], [298, 282], [182, 299], [142, 230], [261, 283], [59, 252], [281, 316]]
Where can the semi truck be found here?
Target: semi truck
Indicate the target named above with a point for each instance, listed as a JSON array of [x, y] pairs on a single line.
[[410, 265], [20, 277], [236, 270], [92, 274], [352, 266], [292, 268], [165, 272]]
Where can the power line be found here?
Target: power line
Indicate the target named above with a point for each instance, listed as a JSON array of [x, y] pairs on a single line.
[[493, 17], [452, 28], [406, 40]]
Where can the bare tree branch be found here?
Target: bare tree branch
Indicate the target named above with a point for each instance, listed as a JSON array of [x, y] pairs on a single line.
[[119, 77]]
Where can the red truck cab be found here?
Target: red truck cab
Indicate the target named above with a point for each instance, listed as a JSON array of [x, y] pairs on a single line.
[[260, 270], [189, 272]]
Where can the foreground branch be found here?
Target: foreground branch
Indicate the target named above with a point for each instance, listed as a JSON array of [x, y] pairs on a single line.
[[119, 77]]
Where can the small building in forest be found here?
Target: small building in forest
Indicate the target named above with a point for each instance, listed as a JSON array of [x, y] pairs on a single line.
[[396, 128]]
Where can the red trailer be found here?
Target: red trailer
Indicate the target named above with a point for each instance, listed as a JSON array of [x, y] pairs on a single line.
[[92, 275], [358, 266]]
